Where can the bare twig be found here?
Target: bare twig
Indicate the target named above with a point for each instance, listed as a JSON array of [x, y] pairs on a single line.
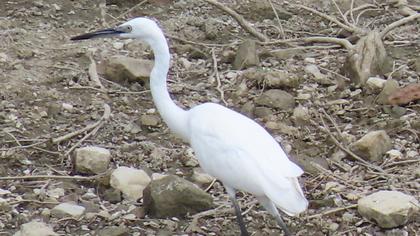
[[338, 209], [244, 23], [343, 42], [105, 116], [93, 72], [31, 201], [346, 150], [38, 177], [216, 74], [359, 8], [341, 13], [283, 36], [131, 9], [332, 19], [210, 185], [198, 43], [398, 23]]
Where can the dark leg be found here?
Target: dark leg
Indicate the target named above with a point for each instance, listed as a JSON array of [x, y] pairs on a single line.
[[239, 218], [271, 208]]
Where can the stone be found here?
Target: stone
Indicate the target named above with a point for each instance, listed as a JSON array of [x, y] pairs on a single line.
[[333, 227], [390, 87], [67, 209], [263, 112], [150, 120], [55, 193], [112, 195], [272, 79], [248, 109], [372, 146], [130, 181], [375, 83], [156, 176], [367, 58], [388, 209], [276, 98], [394, 154], [92, 159], [417, 64], [301, 115], [173, 196], [210, 29], [201, 177], [35, 228], [127, 69], [246, 56], [67, 107], [113, 231], [317, 75]]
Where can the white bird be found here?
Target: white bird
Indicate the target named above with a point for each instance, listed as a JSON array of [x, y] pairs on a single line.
[[229, 146]]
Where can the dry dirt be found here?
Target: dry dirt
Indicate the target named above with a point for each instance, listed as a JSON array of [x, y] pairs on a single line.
[[40, 69]]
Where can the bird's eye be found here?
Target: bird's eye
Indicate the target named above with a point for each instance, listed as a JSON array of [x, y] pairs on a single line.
[[128, 28]]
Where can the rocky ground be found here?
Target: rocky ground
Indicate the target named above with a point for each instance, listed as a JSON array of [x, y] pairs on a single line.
[[356, 149]]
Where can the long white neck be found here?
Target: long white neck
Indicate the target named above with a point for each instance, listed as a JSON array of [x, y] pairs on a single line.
[[174, 116]]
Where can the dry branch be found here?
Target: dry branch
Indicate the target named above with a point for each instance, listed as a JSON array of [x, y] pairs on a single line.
[[398, 23], [331, 211], [332, 19], [343, 42], [346, 150], [244, 23], [38, 177], [105, 116]]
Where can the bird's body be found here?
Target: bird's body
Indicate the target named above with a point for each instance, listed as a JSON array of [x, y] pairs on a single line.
[[243, 155], [228, 145]]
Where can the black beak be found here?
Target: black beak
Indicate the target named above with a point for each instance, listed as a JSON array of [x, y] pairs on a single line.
[[105, 33]]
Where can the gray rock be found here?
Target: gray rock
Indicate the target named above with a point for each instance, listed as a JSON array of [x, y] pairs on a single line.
[[150, 120], [301, 115], [263, 112], [130, 181], [113, 231], [112, 195], [246, 56], [390, 87], [373, 145], [92, 159], [317, 75], [201, 177], [388, 209], [35, 228], [67, 209], [375, 83], [280, 79], [276, 98], [127, 69], [272, 79], [173, 196], [417, 65], [210, 29], [248, 109]]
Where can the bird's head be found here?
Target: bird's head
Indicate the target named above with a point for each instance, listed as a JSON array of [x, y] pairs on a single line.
[[140, 28]]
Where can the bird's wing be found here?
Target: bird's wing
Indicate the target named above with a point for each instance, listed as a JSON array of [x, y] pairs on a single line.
[[236, 133], [243, 155]]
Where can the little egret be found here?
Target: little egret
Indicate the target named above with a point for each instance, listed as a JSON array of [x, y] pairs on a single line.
[[229, 146]]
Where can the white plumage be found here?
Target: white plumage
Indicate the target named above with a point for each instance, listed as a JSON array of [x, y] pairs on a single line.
[[228, 145]]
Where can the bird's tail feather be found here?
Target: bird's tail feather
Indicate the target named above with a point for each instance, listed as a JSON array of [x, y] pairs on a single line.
[[287, 195]]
